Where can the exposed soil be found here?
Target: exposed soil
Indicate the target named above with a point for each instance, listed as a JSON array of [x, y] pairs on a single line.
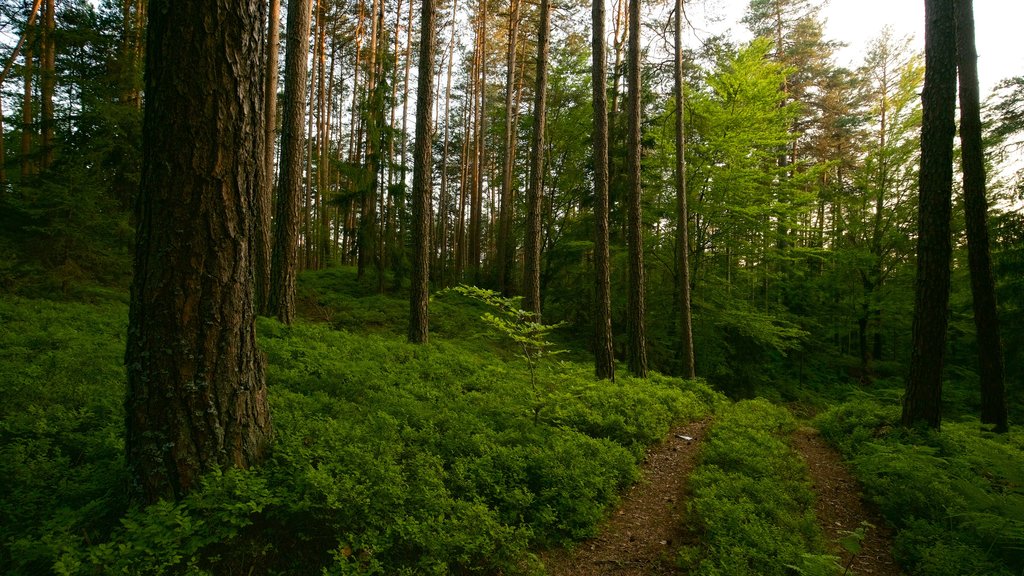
[[640, 537], [840, 509]]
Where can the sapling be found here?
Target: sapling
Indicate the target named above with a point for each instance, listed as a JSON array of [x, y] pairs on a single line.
[[518, 326]]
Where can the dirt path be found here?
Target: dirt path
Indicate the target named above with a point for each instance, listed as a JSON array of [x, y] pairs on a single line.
[[640, 537], [839, 507]]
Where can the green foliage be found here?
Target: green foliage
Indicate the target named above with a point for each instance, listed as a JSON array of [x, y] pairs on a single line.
[[389, 458], [954, 496], [752, 504]]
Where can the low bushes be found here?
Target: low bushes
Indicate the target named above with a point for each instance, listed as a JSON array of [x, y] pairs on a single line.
[[751, 505], [956, 497], [389, 458]]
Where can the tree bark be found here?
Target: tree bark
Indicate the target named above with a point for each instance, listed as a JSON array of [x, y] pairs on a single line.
[[637, 307], [531, 264], [983, 288], [264, 202], [506, 242], [421, 181], [922, 401], [604, 351], [289, 184], [682, 213], [197, 396], [47, 85]]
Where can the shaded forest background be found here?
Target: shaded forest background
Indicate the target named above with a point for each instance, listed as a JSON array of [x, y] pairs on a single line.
[[802, 177]]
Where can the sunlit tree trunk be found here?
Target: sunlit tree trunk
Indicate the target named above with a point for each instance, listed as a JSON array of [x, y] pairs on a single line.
[[983, 289], [197, 396]]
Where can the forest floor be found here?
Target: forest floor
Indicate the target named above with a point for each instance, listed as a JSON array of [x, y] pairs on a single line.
[[642, 535]]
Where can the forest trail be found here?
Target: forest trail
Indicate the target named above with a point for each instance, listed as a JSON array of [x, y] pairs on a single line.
[[641, 536], [841, 510]]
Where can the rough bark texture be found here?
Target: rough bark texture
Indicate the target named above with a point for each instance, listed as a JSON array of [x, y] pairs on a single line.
[[682, 213], [289, 183], [421, 181], [531, 263], [264, 200], [197, 397], [506, 242], [636, 306], [983, 287], [604, 351], [922, 400]]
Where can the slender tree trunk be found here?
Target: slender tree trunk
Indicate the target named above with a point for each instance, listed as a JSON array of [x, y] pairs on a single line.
[[48, 83], [531, 265], [421, 181], [3, 77], [506, 243], [27, 129], [637, 306], [265, 198], [682, 213], [289, 184], [604, 351], [197, 396], [922, 402], [480, 154], [983, 289]]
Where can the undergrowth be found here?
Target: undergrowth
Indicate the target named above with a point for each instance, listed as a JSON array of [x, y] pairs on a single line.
[[955, 497], [751, 506], [389, 458]]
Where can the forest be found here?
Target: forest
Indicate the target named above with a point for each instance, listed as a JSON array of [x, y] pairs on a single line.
[[383, 287]]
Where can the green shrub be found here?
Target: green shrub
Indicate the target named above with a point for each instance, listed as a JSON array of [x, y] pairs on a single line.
[[955, 496], [389, 458], [752, 504]]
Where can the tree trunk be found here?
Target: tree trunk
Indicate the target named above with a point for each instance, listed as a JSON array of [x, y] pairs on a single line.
[[922, 401], [264, 202], [289, 183], [197, 396], [506, 243], [27, 128], [637, 307], [682, 214], [531, 264], [48, 83], [604, 351], [983, 289], [421, 181]]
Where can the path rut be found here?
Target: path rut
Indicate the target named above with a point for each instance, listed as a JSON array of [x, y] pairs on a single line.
[[642, 534]]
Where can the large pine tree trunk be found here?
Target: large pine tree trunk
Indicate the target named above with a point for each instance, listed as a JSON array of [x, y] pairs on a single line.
[[531, 264], [983, 288], [682, 213], [922, 402], [289, 184], [636, 307], [421, 181], [604, 352], [197, 397]]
